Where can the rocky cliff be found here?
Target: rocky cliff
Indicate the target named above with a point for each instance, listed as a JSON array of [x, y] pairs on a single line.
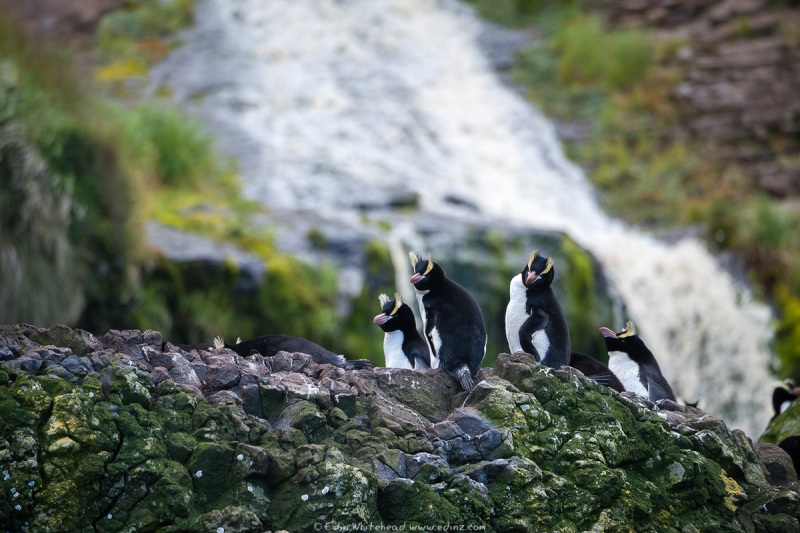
[[124, 432], [741, 69]]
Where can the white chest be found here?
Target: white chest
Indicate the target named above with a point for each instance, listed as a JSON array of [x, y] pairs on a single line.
[[422, 313], [393, 350], [541, 342], [515, 313], [627, 371], [436, 341]]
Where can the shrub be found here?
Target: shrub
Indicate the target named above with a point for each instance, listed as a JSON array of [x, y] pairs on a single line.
[[591, 54]]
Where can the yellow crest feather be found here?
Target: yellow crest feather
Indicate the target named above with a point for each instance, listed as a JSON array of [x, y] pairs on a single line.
[[383, 299], [628, 331], [547, 266], [414, 259], [398, 301], [429, 267], [532, 258]]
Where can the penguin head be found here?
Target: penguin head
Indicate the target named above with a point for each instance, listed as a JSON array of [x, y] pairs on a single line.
[[427, 274], [538, 272], [391, 312], [626, 341]]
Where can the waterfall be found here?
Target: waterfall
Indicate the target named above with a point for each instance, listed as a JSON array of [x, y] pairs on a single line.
[[330, 106]]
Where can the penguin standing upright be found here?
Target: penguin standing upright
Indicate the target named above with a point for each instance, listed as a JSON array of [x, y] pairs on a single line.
[[403, 346], [634, 364], [542, 330], [452, 321]]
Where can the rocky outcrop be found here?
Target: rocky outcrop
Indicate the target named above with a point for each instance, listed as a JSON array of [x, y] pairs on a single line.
[[117, 433]]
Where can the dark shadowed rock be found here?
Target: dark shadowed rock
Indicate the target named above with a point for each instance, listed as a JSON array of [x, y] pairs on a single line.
[[777, 464]]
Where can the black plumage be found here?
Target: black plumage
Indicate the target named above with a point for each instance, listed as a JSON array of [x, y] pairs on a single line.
[[544, 334], [783, 396], [269, 345], [594, 369], [403, 346], [635, 365], [452, 321]]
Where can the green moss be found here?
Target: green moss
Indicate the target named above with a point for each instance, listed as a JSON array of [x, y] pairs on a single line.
[[132, 38]]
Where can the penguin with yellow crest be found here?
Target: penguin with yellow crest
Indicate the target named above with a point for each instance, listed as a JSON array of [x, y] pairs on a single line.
[[403, 346], [452, 321]]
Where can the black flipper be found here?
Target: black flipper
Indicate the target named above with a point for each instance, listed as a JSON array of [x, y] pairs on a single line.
[[536, 322], [657, 387]]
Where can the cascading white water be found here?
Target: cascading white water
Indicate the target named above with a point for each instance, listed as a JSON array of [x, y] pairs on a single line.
[[332, 104]]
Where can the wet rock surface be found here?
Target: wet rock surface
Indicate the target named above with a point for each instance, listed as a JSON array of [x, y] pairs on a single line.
[[117, 433]]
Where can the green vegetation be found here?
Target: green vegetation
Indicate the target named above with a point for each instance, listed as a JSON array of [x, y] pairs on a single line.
[[617, 85], [64, 193], [133, 38]]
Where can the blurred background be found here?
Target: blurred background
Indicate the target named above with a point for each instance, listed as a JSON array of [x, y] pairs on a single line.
[[241, 168]]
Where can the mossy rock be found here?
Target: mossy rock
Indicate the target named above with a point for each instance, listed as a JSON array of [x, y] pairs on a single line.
[[530, 449]]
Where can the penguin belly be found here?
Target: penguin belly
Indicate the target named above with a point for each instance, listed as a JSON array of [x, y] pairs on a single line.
[[628, 372], [393, 350], [436, 341], [515, 314], [541, 341]]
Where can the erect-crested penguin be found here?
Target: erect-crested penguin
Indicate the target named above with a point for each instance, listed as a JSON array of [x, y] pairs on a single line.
[[270, 345], [403, 346], [634, 364], [783, 396], [540, 324], [452, 321]]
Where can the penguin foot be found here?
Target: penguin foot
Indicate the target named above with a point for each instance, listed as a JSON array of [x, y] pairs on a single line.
[[464, 377]]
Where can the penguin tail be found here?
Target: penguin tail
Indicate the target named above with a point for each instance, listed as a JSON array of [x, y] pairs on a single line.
[[464, 377], [359, 364]]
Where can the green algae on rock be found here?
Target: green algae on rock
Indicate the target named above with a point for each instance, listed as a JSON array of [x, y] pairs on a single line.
[[119, 433]]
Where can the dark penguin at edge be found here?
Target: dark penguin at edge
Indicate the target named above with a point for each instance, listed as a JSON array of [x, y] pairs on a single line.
[[635, 365], [545, 333], [783, 396], [452, 321], [269, 345], [403, 346]]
